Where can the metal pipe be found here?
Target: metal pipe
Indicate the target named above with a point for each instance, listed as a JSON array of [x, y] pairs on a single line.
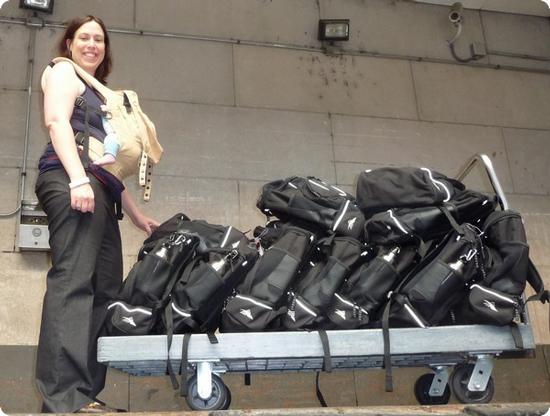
[[23, 174], [518, 55], [350, 52], [491, 174]]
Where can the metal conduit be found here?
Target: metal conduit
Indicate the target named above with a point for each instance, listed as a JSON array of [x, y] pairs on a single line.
[[350, 52], [23, 174]]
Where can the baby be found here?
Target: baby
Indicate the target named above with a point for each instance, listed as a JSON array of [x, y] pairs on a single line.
[[110, 143]]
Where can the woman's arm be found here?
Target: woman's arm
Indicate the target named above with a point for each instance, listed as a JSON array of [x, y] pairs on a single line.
[[132, 210], [60, 91]]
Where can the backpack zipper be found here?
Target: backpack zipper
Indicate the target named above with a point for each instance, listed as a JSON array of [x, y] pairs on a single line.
[[304, 307], [318, 184], [179, 311], [255, 302], [337, 223], [226, 236], [353, 305], [498, 295], [396, 221], [130, 310], [414, 316], [437, 183]]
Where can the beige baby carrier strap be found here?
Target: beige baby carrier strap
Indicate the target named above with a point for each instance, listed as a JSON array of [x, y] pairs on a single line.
[[139, 147]]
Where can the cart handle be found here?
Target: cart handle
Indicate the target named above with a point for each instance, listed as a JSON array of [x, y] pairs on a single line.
[[495, 183]]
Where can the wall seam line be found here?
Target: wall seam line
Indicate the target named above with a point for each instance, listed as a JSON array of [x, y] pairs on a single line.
[[415, 94]]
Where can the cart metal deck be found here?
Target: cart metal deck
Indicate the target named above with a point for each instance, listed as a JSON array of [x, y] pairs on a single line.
[[303, 351]]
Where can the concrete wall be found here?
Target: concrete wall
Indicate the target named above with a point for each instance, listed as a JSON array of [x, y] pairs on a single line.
[[233, 115]]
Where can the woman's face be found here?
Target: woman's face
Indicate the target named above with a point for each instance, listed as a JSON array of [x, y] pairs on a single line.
[[88, 46]]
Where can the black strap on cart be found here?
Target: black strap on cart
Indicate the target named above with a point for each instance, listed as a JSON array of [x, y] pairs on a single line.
[[184, 364], [327, 366]]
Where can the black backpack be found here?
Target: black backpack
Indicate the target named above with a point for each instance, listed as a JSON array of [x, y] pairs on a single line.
[[312, 204], [495, 299], [178, 282], [407, 187], [261, 298], [358, 301], [440, 280], [222, 260], [404, 225], [332, 260], [140, 302]]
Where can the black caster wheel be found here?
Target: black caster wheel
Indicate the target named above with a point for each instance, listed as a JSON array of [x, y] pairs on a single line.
[[220, 399], [459, 383], [422, 391]]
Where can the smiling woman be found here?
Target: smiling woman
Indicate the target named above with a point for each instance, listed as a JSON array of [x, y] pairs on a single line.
[[87, 48], [87, 43], [80, 200]]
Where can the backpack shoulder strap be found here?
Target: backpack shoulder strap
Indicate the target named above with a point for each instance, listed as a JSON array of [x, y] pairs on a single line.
[[534, 279], [87, 78]]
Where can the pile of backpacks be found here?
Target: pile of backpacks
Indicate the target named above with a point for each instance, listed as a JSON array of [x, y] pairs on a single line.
[[413, 248]]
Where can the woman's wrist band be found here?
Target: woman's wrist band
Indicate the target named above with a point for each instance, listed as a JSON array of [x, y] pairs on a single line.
[[79, 182]]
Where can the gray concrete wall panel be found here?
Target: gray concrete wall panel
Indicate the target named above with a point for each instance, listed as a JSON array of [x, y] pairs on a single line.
[[38, 134], [158, 68], [173, 69], [535, 210], [538, 312], [463, 94], [241, 143], [8, 204], [249, 215], [365, 143], [13, 108], [22, 287], [526, 35], [306, 81], [121, 16], [529, 153], [14, 42], [403, 28], [255, 20], [30, 182], [45, 49], [11, 9], [19, 394], [537, 225]]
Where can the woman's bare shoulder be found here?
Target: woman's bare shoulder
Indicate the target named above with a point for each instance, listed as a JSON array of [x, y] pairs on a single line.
[[62, 73], [62, 69]]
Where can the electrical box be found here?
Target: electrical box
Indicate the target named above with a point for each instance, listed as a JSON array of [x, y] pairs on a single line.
[[33, 227]]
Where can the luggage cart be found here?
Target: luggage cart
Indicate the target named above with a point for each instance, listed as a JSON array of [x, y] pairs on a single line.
[[460, 357]]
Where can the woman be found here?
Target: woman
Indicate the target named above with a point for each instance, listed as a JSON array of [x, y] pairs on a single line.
[[84, 235]]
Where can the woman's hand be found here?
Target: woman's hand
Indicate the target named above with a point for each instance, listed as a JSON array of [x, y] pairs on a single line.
[[82, 198], [145, 223], [141, 221]]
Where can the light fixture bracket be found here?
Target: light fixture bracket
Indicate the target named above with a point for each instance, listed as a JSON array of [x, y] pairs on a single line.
[[45, 6]]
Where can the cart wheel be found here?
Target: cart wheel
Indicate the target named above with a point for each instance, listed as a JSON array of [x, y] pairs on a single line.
[[422, 391], [227, 402], [220, 399], [459, 383]]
